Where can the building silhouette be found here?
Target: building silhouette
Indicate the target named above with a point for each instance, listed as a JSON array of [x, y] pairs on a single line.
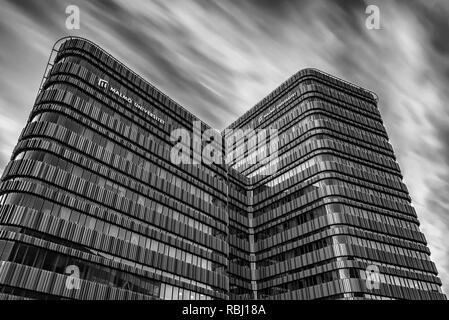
[[93, 207]]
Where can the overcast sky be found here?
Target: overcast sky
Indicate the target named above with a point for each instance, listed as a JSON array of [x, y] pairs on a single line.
[[218, 58]]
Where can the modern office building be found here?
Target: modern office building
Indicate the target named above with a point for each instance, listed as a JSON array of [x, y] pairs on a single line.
[[93, 207]]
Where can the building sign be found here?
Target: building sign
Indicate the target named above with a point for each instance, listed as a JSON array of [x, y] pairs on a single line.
[[105, 85], [278, 106]]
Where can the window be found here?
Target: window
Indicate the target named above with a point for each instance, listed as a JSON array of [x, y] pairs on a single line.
[[180, 294], [168, 292], [31, 256], [19, 156], [99, 226], [5, 249], [175, 295], [121, 233], [113, 231], [74, 217], [186, 295], [135, 238], [90, 223], [46, 208], [65, 213], [36, 118]]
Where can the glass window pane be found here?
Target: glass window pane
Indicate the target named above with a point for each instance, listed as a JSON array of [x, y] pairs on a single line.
[[168, 292]]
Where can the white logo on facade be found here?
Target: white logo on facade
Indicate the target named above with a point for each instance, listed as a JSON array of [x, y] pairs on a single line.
[[105, 84], [277, 107], [102, 83]]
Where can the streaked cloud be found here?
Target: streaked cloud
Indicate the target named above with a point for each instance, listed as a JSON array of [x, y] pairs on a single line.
[[218, 58]]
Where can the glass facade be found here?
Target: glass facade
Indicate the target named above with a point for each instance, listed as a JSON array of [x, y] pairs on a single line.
[[91, 184], [335, 206]]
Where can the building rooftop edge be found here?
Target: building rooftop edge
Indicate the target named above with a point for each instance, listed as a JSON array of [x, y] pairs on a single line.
[[309, 71], [264, 100]]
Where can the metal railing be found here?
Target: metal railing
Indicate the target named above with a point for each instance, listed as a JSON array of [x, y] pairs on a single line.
[[50, 62]]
